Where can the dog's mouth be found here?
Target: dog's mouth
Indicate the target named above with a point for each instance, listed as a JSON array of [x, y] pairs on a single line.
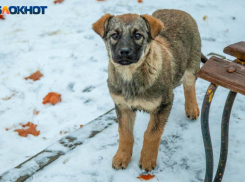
[[124, 62]]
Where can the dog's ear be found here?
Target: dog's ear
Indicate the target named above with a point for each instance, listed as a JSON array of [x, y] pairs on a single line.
[[100, 26], [154, 25]]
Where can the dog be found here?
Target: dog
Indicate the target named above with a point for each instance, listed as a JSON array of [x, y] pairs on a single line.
[[148, 57]]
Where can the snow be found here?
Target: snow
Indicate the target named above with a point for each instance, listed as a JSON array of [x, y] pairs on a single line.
[[73, 60], [59, 148]]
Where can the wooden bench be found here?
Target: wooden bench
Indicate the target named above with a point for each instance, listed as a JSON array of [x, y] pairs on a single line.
[[230, 75]]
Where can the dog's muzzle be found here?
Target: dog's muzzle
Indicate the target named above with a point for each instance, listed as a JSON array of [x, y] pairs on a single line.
[[125, 56]]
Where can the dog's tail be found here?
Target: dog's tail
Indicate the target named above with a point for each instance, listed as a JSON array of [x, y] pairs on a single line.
[[203, 58]]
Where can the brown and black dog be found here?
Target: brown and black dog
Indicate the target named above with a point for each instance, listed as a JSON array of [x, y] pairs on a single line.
[[148, 57]]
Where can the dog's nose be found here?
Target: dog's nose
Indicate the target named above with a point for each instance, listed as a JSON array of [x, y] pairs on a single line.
[[125, 52]]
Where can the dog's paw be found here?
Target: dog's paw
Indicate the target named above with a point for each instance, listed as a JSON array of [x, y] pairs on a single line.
[[148, 161], [192, 111], [121, 160]]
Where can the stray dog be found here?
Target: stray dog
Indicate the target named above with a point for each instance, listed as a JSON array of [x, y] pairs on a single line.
[[148, 57]]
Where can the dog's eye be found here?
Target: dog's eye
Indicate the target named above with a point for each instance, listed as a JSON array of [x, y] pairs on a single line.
[[137, 36], [115, 36]]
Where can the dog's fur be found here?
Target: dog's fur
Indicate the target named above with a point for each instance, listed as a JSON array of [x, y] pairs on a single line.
[[168, 53]]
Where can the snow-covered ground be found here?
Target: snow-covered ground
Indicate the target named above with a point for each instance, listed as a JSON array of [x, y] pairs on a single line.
[[73, 60]]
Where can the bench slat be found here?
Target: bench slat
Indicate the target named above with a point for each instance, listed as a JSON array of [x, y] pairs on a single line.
[[215, 71], [237, 50]]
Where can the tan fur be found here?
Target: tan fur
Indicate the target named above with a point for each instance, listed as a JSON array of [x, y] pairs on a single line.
[[172, 52], [152, 139], [128, 18], [142, 104], [154, 25], [101, 24], [166, 52], [123, 156], [191, 106]]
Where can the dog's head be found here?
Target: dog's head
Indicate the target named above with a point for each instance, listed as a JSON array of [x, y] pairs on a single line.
[[126, 36]]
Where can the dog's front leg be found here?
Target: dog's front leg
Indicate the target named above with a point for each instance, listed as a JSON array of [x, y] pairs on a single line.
[[152, 137], [126, 119]]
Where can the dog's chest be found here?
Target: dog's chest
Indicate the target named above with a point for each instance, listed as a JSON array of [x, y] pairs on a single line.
[[137, 103]]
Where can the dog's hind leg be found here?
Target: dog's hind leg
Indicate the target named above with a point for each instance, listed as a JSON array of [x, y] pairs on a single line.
[[191, 106], [189, 78]]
